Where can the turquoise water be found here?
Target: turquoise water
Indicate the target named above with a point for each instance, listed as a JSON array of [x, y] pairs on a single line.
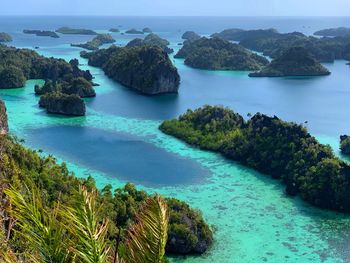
[[119, 141]]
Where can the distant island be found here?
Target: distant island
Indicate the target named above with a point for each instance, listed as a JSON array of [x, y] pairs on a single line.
[[64, 104], [73, 31], [296, 61], [333, 32], [96, 42], [134, 31], [283, 150], [190, 36], [147, 30], [114, 30], [219, 54], [151, 40], [4, 37], [272, 43], [41, 33], [146, 69], [345, 144]]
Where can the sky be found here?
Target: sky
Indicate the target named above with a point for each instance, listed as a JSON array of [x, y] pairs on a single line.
[[177, 7]]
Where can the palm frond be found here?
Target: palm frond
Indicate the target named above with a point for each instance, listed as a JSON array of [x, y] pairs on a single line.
[[89, 235], [145, 240]]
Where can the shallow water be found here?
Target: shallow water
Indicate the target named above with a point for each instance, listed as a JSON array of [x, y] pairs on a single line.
[[119, 140]]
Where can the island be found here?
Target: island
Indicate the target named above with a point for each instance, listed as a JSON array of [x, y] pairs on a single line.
[[73, 31], [219, 54], [188, 232], [3, 119], [190, 36], [96, 42], [345, 144], [11, 77], [283, 150], [296, 61], [134, 31], [333, 32], [114, 30], [41, 33], [64, 104], [4, 37], [146, 69], [272, 43], [147, 30], [151, 40]]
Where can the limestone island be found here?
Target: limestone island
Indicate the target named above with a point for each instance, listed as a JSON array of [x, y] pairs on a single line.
[[151, 40], [60, 103], [146, 69], [345, 144], [286, 151], [147, 30], [41, 33], [114, 30], [190, 36], [4, 37], [73, 31], [219, 54], [333, 32], [96, 42], [296, 61], [134, 31], [272, 43]]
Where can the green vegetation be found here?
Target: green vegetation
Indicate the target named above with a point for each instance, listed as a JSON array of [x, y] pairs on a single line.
[[134, 31], [284, 150], [11, 77], [273, 44], [61, 103], [96, 42], [219, 54], [4, 37], [146, 69], [41, 33], [73, 31], [151, 40], [345, 144], [296, 61], [190, 36], [58, 188], [3, 119], [333, 32]]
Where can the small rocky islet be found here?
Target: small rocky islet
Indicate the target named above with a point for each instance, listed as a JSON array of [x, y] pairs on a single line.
[[96, 42], [219, 54], [296, 61], [151, 40], [146, 69]]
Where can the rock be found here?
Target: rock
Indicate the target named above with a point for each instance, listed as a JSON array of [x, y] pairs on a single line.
[[219, 54], [345, 144], [64, 104], [146, 69], [296, 61], [3, 119]]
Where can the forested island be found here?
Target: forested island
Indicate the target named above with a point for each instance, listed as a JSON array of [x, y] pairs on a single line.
[[41, 33], [96, 42], [4, 37], [345, 144], [333, 32], [19, 65], [146, 69], [190, 36], [219, 54], [114, 30], [272, 43], [151, 40], [283, 150], [27, 173], [296, 61], [147, 30], [134, 31], [74, 31], [61, 103]]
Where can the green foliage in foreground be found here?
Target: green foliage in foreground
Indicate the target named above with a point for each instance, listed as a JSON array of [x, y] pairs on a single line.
[[284, 150], [20, 167]]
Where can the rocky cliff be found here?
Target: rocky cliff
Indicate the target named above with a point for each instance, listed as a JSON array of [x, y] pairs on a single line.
[[3, 118]]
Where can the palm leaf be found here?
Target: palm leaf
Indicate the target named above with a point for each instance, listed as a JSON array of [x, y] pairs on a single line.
[[145, 240]]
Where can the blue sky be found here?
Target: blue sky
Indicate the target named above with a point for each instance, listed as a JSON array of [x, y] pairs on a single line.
[[177, 7]]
